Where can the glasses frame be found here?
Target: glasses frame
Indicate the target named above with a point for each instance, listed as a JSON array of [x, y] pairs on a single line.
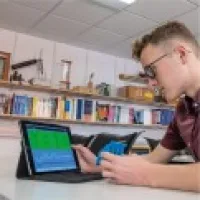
[[149, 70]]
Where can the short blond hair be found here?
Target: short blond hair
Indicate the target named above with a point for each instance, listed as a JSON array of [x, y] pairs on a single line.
[[162, 33]]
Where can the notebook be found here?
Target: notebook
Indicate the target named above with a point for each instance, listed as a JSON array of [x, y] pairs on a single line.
[[49, 155]]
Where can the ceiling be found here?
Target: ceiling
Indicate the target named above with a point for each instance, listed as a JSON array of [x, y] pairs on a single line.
[[108, 26]]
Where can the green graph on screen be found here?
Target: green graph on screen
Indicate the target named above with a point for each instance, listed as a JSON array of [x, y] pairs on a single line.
[[48, 139]]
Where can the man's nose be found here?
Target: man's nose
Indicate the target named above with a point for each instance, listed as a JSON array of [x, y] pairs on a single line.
[[152, 83]]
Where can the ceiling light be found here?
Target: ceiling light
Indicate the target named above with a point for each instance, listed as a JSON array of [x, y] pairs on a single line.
[[127, 1]]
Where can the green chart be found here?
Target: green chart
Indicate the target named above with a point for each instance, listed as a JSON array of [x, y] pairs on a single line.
[[48, 139]]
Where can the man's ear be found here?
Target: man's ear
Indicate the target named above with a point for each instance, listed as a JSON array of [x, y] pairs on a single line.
[[182, 54]]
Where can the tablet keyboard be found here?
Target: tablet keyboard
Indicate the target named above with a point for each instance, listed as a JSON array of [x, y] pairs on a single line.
[[68, 177]]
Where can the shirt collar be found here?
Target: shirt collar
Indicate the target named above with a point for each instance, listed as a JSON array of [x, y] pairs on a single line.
[[192, 104], [197, 97]]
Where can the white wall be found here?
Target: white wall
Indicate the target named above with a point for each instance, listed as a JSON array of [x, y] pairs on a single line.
[[106, 69]]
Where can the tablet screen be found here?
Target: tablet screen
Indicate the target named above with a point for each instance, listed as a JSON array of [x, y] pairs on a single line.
[[50, 147]]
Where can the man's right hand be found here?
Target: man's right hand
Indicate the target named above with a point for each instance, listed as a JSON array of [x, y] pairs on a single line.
[[86, 159]]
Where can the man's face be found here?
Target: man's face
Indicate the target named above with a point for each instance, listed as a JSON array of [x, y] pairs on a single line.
[[168, 70]]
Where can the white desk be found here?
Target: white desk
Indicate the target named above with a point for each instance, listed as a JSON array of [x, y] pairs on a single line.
[[98, 190]]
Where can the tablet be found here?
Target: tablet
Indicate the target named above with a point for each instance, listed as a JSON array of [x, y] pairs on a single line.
[[48, 148]]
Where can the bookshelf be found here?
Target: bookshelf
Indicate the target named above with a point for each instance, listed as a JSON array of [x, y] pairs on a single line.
[[80, 122], [47, 89], [57, 91]]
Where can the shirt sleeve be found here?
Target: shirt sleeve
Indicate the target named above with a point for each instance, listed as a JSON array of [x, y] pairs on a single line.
[[172, 139]]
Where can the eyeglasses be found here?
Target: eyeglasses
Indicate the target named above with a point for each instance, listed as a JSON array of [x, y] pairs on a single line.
[[149, 71]]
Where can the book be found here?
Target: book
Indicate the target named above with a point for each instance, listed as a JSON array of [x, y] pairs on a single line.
[[88, 110]]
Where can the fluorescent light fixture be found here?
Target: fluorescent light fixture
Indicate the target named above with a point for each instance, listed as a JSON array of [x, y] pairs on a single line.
[[127, 1]]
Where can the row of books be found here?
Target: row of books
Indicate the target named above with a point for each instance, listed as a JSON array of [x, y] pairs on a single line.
[[88, 110], [154, 116]]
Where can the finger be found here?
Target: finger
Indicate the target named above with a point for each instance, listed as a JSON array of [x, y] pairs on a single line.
[[83, 150], [109, 157], [80, 157], [77, 147], [107, 165], [107, 174], [79, 152]]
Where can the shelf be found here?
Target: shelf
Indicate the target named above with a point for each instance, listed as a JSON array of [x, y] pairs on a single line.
[[132, 78], [140, 146], [38, 88], [79, 122], [51, 90]]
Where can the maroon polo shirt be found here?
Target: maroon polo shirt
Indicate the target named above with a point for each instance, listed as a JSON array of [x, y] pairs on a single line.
[[184, 130]]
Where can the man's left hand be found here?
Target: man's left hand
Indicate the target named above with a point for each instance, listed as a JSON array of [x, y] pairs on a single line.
[[130, 169]]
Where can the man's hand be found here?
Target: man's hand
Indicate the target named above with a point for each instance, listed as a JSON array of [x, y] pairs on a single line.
[[86, 159], [131, 169]]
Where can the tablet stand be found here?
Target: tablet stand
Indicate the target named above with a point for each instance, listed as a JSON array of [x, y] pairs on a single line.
[[22, 168]]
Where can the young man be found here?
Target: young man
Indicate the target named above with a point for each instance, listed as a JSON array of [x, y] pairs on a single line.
[[170, 58]]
